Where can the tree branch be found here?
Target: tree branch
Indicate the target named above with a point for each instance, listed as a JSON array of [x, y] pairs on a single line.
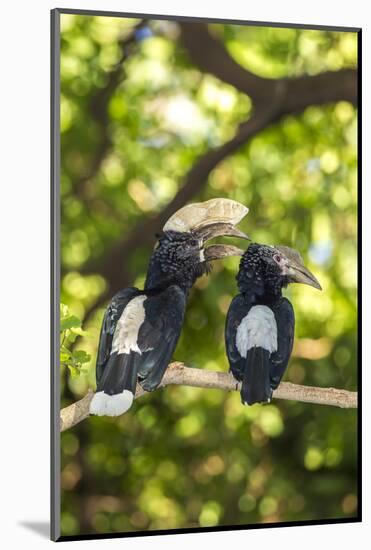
[[144, 232], [210, 55], [180, 375], [272, 99], [111, 266]]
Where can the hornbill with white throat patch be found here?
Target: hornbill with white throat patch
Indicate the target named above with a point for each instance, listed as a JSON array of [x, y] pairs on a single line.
[[141, 328], [259, 331]]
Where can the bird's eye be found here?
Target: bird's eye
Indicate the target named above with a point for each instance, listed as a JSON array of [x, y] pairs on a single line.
[[193, 243], [277, 258]]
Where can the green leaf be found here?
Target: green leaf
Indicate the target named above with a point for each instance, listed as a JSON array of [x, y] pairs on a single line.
[[70, 336], [80, 356], [69, 322]]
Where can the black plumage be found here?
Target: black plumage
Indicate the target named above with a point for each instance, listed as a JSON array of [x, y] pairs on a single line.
[[259, 332], [141, 328], [157, 337]]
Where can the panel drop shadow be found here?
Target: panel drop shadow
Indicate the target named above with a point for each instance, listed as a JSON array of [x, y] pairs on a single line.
[[41, 528]]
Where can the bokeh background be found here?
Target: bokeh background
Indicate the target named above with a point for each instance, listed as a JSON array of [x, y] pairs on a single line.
[[155, 114]]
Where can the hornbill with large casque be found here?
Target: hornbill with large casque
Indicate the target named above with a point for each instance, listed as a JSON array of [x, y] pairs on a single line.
[[141, 328], [259, 332]]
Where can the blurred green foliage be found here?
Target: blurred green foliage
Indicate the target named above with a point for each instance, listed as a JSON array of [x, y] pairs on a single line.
[[70, 329], [186, 457]]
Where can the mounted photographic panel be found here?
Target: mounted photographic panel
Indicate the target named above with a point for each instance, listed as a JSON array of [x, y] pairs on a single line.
[[175, 142]]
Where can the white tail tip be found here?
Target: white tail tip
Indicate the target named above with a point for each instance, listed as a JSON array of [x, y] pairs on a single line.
[[103, 404]]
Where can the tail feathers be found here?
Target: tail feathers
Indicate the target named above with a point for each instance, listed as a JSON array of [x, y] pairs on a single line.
[[116, 387], [103, 404], [256, 379]]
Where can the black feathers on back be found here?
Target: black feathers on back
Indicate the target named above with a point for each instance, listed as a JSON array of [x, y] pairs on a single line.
[[145, 340], [259, 368], [285, 319], [236, 312], [110, 319], [260, 283], [159, 335]]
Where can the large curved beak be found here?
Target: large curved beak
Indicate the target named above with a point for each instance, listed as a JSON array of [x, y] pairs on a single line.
[[220, 251], [219, 230], [298, 273]]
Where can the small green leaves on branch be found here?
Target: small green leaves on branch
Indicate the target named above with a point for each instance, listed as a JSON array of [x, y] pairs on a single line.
[[70, 328]]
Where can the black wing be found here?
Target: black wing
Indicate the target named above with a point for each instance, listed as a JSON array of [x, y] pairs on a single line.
[[236, 312], [285, 319], [111, 316], [159, 334]]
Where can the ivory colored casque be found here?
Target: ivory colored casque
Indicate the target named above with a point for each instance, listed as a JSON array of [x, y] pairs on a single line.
[[197, 215]]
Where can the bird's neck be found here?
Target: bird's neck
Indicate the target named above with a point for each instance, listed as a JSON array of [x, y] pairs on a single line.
[[267, 298], [257, 290], [159, 279]]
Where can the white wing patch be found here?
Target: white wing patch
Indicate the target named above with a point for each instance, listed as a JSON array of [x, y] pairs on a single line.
[[257, 329], [125, 338]]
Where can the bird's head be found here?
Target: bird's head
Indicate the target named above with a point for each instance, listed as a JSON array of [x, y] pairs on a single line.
[[265, 270], [181, 254]]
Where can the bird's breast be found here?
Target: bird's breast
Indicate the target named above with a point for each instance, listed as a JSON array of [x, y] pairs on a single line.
[[257, 329]]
